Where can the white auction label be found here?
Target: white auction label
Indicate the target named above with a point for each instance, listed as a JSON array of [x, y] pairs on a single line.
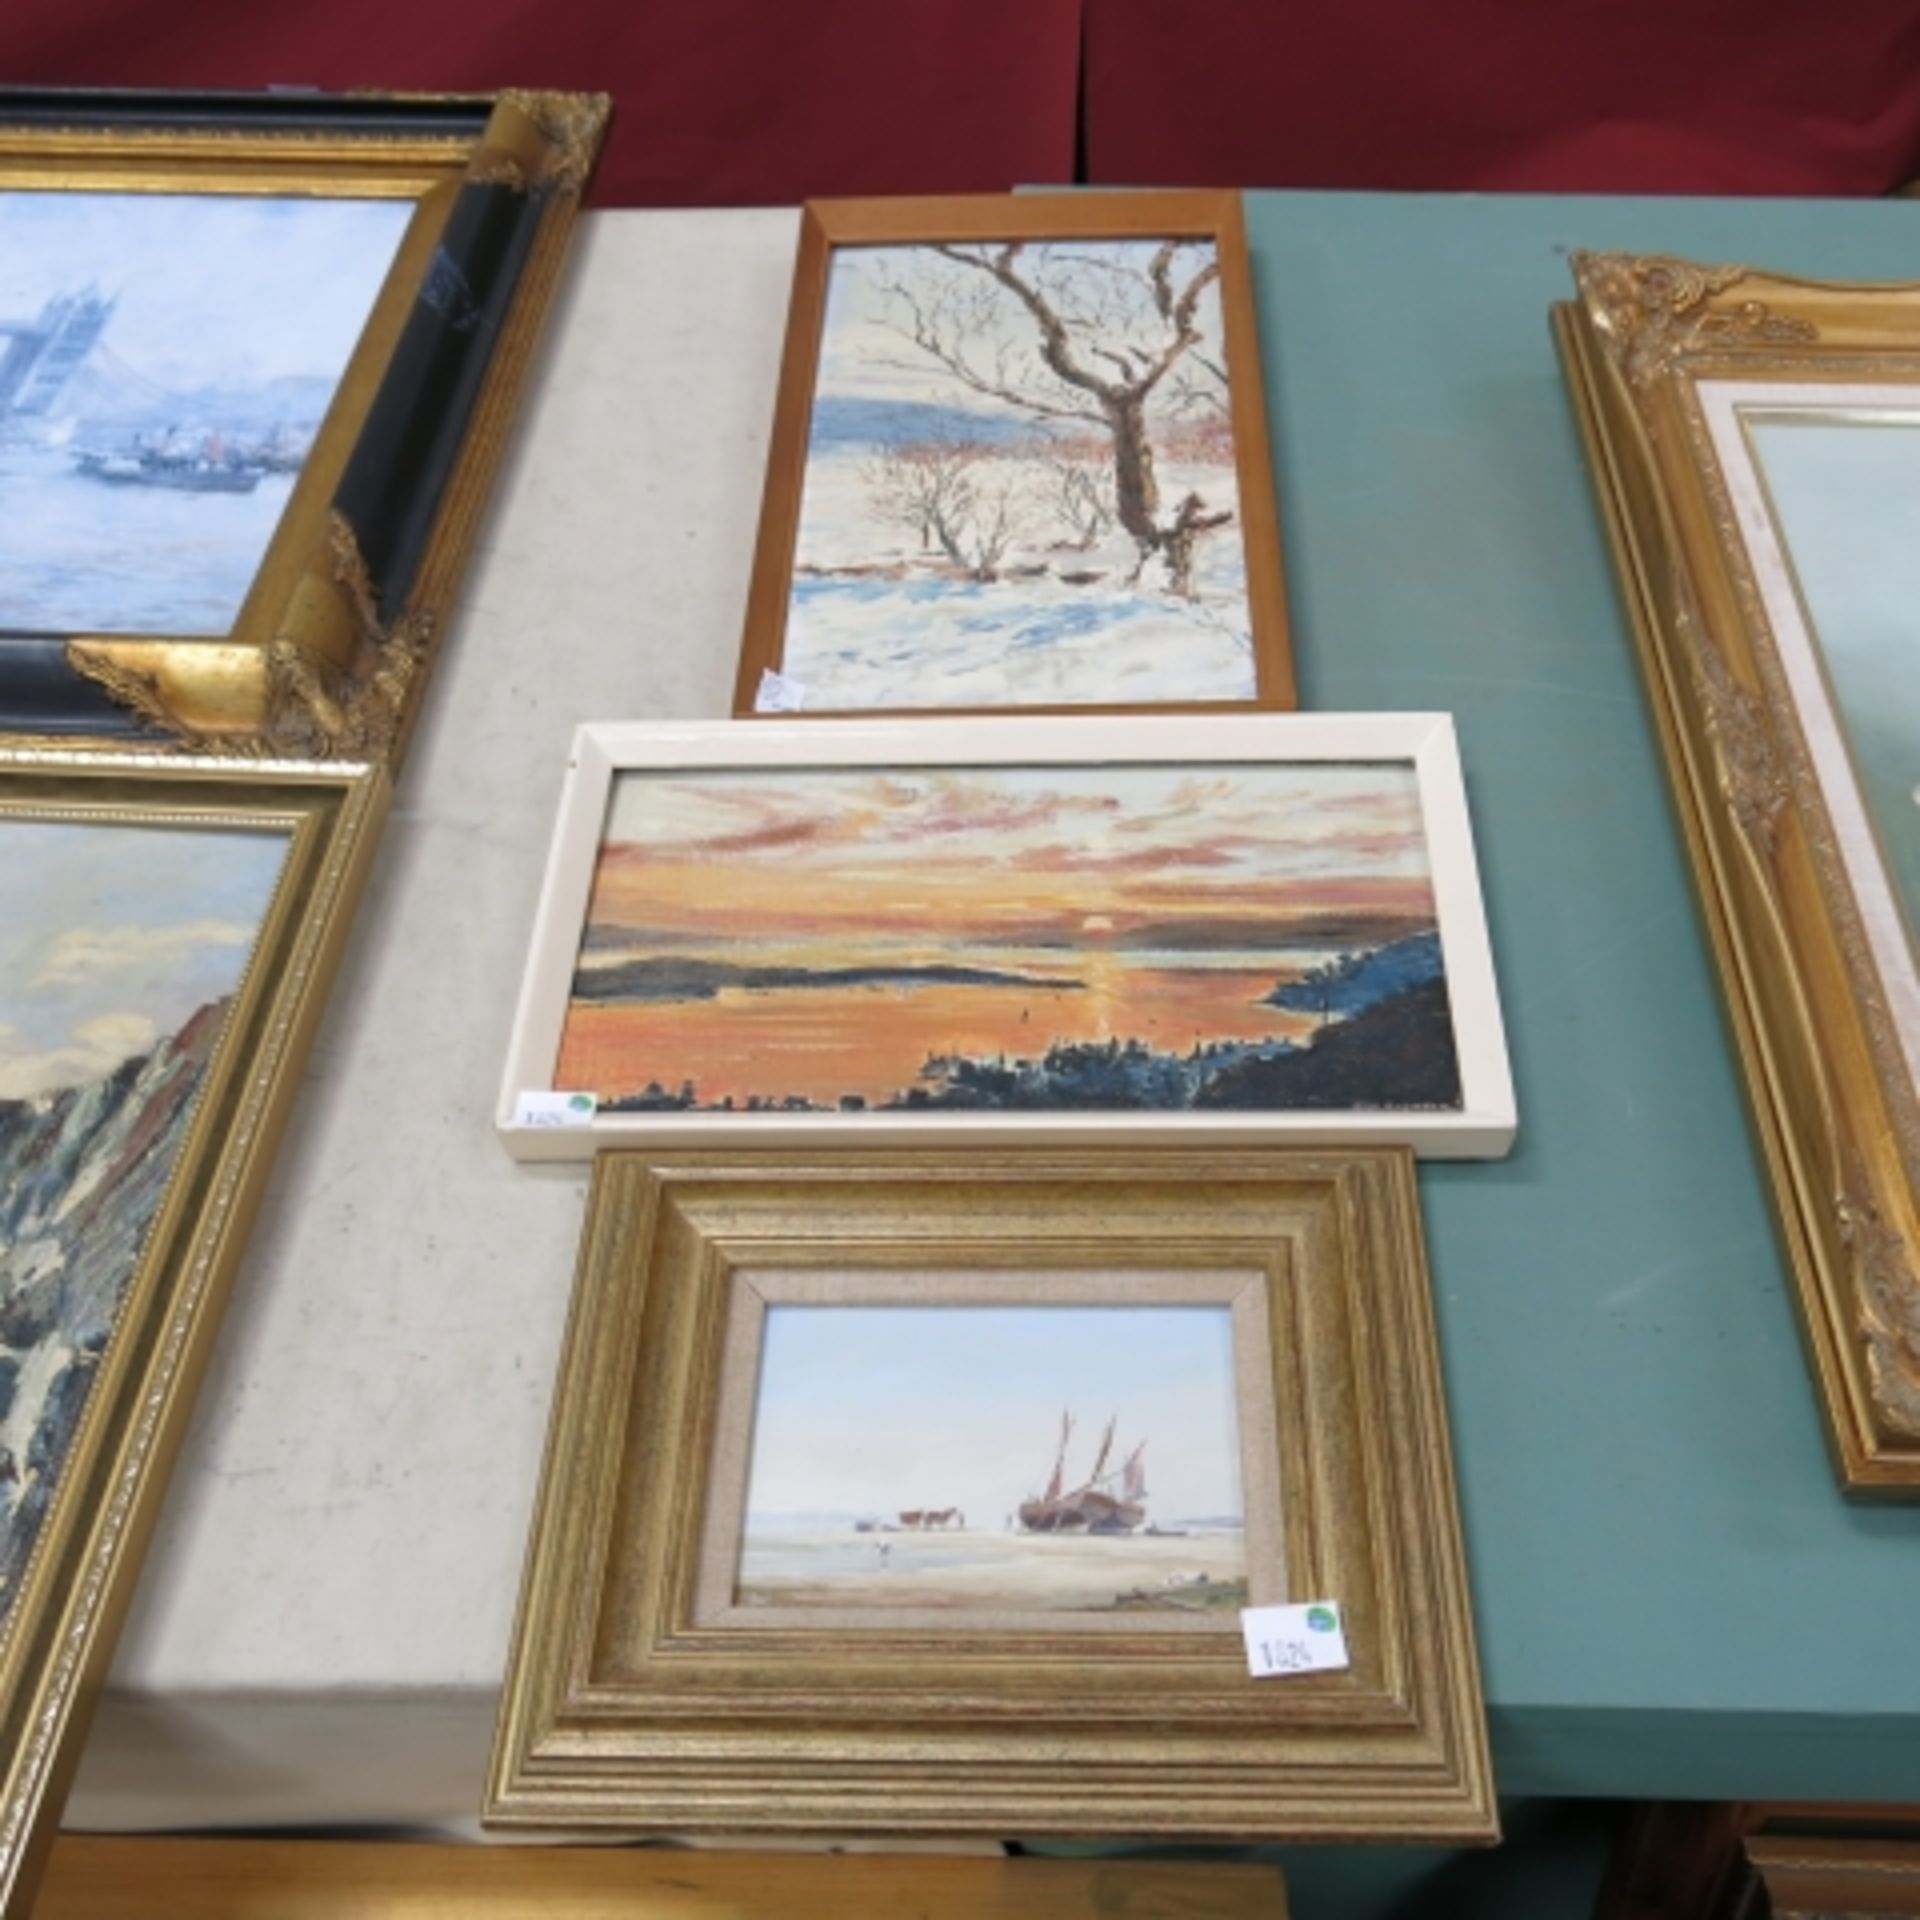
[[778, 694], [538, 1109], [1304, 1639]]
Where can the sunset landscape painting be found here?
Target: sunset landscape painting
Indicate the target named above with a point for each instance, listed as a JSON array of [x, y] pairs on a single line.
[[1031, 938]]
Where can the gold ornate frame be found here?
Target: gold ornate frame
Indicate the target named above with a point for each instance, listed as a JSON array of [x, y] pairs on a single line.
[[56, 1637], [827, 224], [625, 1708], [332, 643], [1835, 1107]]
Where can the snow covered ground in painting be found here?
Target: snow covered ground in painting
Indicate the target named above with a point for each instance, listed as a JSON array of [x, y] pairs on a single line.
[[904, 632]]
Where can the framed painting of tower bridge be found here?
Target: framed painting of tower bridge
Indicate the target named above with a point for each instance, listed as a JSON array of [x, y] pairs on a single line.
[[257, 355], [950, 1475], [1019, 460], [1238, 928]]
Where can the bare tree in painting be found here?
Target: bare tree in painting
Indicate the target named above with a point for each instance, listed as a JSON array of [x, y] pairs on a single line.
[[1079, 484], [1106, 335], [1200, 389], [1322, 983], [954, 494]]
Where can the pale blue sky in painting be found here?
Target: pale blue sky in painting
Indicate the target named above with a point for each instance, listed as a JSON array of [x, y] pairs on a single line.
[[875, 1409], [1848, 498], [113, 936], [862, 353], [225, 290]]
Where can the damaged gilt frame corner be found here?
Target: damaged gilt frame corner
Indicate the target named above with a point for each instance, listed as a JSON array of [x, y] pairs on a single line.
[[258, 355], [1755, 440]]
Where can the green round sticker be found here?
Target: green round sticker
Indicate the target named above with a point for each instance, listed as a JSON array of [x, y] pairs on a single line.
[[581, 1103], [1321, 1619]]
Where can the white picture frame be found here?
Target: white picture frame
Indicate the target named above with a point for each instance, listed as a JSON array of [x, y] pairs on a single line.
[[1480, 1127]]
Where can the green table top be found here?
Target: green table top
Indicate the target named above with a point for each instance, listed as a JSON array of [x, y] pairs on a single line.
[[1673, 1597]]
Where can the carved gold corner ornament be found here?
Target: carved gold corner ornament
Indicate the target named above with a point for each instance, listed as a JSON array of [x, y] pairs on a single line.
[[332, 684], [561, 136], [1887, 1294], [317, 710], [1652, 308], [1747, 765]]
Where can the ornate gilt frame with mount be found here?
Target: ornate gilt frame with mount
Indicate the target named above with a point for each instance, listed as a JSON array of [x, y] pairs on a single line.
[[1685, 377], [676, 1669], [329, 646]]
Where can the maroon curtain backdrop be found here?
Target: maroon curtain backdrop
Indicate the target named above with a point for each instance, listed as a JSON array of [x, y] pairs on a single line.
[[743, 101], [1615, 96], [717, 102]]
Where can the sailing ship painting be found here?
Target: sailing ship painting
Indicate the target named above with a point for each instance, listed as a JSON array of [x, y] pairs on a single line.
[[1094, 1506], [893, 1460], [166, 361]]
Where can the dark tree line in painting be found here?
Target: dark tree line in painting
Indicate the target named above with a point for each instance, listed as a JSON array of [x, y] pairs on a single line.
[[1391, 1047]]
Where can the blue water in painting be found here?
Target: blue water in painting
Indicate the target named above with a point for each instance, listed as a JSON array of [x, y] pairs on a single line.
[[166, 361], [78, 556], [846, 420]]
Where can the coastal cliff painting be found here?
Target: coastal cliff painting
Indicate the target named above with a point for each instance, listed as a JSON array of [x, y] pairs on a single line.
[[166, 360], [1039, 938], [1034, 1457], [121, 948], [1020, 484]]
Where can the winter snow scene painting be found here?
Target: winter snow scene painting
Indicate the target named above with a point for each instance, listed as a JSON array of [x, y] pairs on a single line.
[[1020, 483], [920, 1456], [120, 949], [165, 364], [920, 940]]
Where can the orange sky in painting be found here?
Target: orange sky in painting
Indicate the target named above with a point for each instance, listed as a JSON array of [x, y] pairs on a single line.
[[1088, 904], [1008, 856]]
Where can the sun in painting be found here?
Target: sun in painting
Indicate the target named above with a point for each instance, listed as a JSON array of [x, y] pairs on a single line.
[[1035, 938]]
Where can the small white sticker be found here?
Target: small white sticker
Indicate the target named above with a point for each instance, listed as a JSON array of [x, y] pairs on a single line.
[[1304, 1639], [532, 1109], [778, 694]]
